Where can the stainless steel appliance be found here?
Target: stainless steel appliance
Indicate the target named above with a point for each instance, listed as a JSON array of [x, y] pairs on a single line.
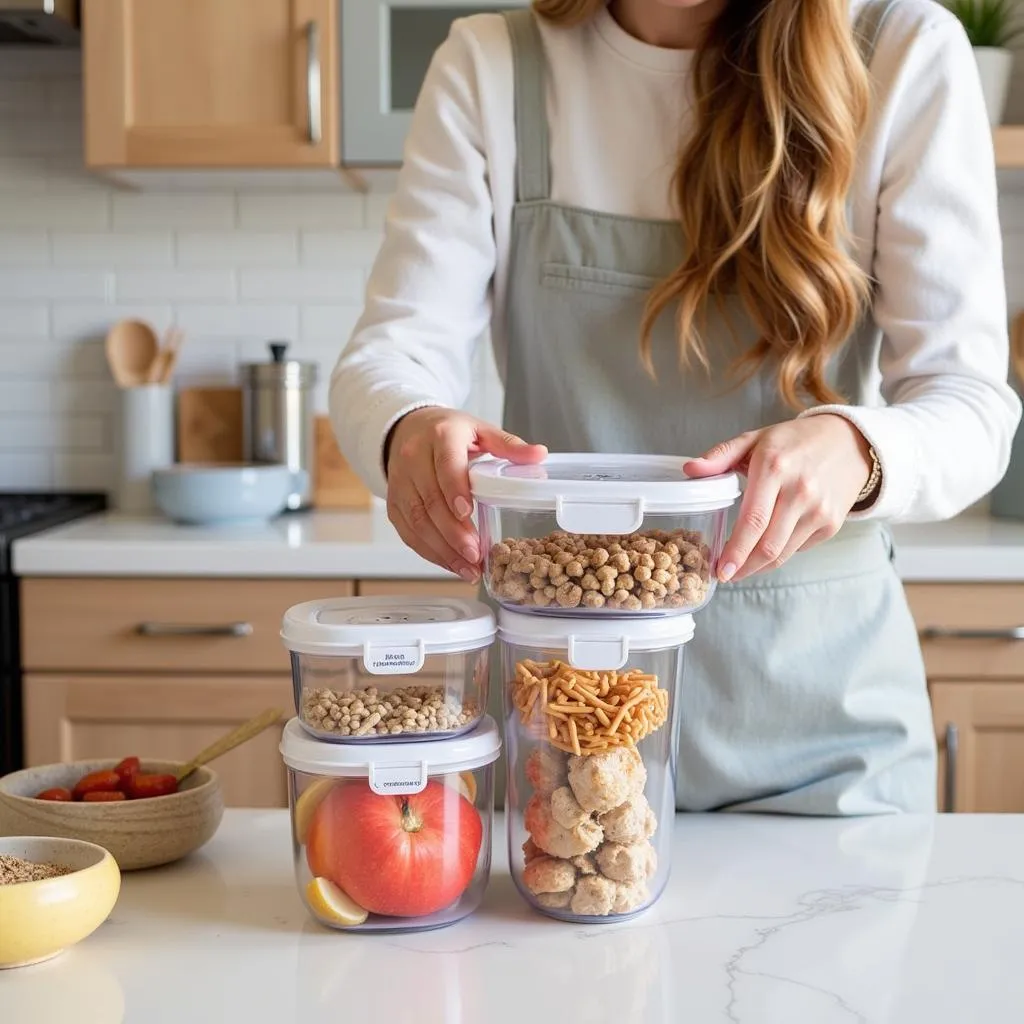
[[22, 515], [386, 47], [39, 22], [277, 415]]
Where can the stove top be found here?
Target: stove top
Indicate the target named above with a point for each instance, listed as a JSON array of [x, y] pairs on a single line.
[[24, 514]]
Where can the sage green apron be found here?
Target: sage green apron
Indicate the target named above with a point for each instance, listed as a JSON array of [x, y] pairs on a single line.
[[804, 689]]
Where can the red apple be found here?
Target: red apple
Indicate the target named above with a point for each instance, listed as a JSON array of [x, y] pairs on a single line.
[[400, 856]]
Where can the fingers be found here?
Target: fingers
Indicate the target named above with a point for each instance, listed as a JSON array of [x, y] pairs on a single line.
[[777, 542], [756, 511], [725, 457], [452, 442], [427, 541], [504, 445], [428, 512]]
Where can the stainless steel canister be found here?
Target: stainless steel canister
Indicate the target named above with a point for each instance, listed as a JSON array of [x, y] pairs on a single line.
[[278, 417]]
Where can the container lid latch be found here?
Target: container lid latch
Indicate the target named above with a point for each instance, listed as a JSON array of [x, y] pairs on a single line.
[[617, 517], [394, 659], [398, 779], [595, 655]]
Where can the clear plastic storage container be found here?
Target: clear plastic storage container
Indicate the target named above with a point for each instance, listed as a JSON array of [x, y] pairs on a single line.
[[391, 837], [591, 743], [593, 534], [389, 668]]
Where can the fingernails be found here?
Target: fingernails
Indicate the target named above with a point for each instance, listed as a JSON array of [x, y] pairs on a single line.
[[469, 575], [727, 572], [462, 507], [471, 553]]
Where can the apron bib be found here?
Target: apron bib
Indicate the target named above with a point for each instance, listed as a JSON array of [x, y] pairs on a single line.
[[804, 689]]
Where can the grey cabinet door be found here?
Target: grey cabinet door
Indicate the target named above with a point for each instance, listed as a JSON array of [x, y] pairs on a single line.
[[386, 48]]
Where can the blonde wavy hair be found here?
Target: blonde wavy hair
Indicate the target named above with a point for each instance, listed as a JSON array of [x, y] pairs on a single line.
[[781, 99]]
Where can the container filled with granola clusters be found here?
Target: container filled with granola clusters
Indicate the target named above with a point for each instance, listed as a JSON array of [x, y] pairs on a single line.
[[591, 743], [389, 668], [598, 534]]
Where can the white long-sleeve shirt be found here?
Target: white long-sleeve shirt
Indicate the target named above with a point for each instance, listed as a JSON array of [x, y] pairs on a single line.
[[923, 213]]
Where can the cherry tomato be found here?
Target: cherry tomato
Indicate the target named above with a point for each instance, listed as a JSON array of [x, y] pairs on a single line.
[[103, 796], [57, 793], [96, 782], [126, 769], [142, 786]]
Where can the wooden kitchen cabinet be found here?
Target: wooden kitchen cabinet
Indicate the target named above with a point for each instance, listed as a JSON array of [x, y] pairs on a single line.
[[73, 717], [211, 83], [974, 656]]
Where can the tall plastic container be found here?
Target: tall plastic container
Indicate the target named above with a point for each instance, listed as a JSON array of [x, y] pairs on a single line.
[[591, 742]]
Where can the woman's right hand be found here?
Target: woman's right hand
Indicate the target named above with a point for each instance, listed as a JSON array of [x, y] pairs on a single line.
[[429, 500]]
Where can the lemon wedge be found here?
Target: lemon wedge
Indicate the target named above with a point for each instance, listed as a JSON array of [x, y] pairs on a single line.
[[307, 803], [332, 905], [464, 783]]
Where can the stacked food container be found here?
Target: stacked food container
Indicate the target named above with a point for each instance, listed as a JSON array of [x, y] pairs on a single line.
[[598, 564], [390, 759]]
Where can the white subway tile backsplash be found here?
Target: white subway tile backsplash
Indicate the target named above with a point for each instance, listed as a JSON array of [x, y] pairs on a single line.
[[110, 249], [23, 248], [259, 321], [238, 248], [41, 137], [90, 320], [48, 433], [329, 323], [337, 285], [24, 396], [83, 471], [86, 210], [26, 471], [77, 396], [304, 211], [174, 285], [340, 248], [145, 210], [23, 322], [53, 285], [22, 174]]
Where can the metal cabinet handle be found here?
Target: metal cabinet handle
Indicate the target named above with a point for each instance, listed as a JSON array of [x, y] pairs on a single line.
[[178, 629], [313, 82], [952, 749], [938, 633]]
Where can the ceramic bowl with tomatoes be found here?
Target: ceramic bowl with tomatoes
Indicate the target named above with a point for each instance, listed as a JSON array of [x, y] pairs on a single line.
[[141, 822]]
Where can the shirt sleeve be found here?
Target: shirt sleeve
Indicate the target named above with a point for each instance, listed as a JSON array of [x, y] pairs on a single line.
[[943, 437], [428, 299]]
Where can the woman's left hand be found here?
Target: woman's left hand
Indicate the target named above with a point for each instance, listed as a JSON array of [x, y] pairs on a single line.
[[803, 478]]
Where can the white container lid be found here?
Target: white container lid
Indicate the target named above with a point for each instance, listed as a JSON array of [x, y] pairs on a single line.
[[392, 769], [601, 493], [599, 643], [393, 635]]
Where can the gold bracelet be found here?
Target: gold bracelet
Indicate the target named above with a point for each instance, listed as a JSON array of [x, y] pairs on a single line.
[[874, 478]]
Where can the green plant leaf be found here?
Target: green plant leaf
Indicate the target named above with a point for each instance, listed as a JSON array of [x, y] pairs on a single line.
[[988, 22]]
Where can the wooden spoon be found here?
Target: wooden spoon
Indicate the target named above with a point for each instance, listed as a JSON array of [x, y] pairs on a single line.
[[233, 739], [1017, 347], [131, 350]]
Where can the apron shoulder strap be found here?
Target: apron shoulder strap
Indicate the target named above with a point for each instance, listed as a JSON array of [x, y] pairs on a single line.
[[533, 161], [870, 22]]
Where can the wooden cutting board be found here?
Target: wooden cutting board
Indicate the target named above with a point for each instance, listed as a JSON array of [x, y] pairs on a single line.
[[335, 485], [210, 425]]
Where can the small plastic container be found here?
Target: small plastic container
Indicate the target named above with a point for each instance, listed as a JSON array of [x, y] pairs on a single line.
[[366, 670], [599, 534], [391, 837], [591, 742]]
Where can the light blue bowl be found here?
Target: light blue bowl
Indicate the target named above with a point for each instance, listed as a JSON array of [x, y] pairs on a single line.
[[224, 494]]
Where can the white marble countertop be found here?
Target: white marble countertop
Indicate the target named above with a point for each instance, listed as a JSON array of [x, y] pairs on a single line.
[[766, 920], [971, 548]]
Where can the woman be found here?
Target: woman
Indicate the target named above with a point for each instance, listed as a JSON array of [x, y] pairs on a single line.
[[719, 226]]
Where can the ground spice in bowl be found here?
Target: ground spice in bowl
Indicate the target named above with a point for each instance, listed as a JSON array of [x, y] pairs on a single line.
[[14, 870]]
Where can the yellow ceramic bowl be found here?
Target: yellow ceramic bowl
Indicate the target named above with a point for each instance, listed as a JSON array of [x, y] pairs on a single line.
[[38, 920]]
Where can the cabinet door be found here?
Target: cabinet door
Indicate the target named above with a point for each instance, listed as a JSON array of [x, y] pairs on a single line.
[[70, 717], [982, 724], [197, 83]]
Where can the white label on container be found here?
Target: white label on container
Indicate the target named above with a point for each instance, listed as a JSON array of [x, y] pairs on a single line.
[[394, 660], [599, 517], [398, 779]]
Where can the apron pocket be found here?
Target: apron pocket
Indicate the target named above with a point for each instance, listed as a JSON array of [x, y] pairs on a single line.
[[596, 280]]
